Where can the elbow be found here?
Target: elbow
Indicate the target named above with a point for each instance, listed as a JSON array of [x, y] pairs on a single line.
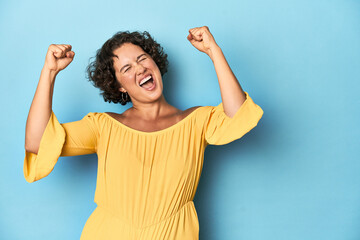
[[31, 148], [32, 140]]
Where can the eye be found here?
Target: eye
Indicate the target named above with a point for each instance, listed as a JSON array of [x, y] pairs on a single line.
[[127, 69], [142, 59]]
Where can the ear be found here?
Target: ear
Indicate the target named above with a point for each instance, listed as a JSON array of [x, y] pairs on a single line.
[[121, 89]]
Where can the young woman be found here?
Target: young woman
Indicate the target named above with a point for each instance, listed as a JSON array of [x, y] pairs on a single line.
[[150, 157]]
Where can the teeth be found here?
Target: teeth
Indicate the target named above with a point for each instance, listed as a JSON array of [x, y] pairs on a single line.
[[145, 79]]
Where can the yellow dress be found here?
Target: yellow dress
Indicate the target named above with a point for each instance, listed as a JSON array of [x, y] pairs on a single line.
[[146, 181]]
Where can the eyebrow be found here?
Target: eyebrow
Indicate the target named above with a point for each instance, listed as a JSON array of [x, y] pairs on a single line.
[[128, 64]]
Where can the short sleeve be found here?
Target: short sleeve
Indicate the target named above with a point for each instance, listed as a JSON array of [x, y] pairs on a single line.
[[61, 139], [220, 129]]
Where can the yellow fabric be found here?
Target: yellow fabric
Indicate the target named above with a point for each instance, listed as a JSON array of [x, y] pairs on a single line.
[[146, 181]]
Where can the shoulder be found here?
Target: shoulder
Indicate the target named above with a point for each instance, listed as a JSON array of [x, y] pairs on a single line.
[[97, 117], [112, 114], [200, 109], [192, 109], [204, 113], [93, 115], [115, 116], [124, 114]]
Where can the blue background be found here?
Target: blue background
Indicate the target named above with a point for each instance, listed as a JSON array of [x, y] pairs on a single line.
[[295, 176]]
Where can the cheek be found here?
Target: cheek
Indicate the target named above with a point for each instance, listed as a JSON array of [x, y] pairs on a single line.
[[153, 64], [128, 80], [125, 80]]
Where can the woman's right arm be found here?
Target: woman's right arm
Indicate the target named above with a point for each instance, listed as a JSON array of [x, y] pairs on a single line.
[[57, 58]]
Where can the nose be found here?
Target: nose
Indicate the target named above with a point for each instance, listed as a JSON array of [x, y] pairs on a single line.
[[140, 69]]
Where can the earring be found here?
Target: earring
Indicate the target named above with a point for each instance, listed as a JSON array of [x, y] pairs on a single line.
[[126, 96]]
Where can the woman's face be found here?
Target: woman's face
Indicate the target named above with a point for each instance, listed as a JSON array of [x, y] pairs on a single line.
[[132, 65]]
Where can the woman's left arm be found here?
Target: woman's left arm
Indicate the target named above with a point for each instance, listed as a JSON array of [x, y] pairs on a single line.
[[232, 94]]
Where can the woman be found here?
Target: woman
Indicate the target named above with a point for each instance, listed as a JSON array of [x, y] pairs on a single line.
[[150, 157]]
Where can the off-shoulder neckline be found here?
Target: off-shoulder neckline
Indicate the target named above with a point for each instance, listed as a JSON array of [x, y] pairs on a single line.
[[153, 132]]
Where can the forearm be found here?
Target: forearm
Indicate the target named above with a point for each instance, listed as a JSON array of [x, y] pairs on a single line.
[[232, 94], [40, 110]]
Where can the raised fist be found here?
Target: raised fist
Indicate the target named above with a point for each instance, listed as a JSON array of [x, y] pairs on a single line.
[[58, 57], [202, 39]]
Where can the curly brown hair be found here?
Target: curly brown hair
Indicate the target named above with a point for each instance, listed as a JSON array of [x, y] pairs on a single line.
[[101, 71]]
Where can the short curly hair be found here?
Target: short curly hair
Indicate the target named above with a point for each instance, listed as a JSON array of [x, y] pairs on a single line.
[[101, 71]]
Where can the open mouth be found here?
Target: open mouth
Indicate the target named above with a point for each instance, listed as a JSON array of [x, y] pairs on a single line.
[[147, 82]]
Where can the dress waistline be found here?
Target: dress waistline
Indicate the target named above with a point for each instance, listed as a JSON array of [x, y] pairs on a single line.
[[123, 220]]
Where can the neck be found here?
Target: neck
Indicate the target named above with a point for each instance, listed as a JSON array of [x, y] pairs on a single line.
[[152, 110]]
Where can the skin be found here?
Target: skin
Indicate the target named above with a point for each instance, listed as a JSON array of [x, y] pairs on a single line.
[[58, 57], [232, 94], [150, 109]]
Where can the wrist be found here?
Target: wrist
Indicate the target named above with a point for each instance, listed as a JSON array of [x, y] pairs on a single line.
[[214, 52], [49, 73]]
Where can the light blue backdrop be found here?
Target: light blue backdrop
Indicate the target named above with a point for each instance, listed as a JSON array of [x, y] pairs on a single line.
[[295, 176]]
